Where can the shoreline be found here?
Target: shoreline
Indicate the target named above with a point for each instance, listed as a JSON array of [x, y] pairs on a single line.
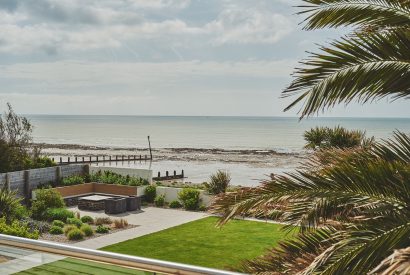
[[253, 157]]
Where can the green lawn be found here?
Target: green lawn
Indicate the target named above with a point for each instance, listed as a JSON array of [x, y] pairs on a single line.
[[200, 243], [74, 266]]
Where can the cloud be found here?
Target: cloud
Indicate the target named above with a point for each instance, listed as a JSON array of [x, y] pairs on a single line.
[[61, 26], [249, 26]]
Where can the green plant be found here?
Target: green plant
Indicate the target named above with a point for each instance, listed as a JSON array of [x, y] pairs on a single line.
[[73, 180], [10, 205], [102, 220], [175, 204], [189, 198], [351, 210], [219, 182], [115, 178], [16, 148], [159, 201], [74, 221], [75, 234], [87, 230], [56, 230], [61, 214], [150, 193], [202, 208], [338, 137], [67, 228], [58, 223], [102, 229], [43, 162], [87, 219], [16, 228], [45, 199]]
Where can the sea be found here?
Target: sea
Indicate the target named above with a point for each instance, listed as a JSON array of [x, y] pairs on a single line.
[[279, 134]]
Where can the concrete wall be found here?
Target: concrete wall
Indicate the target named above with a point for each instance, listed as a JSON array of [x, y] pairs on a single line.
[[141, 173], [171, 194], [35, 177]]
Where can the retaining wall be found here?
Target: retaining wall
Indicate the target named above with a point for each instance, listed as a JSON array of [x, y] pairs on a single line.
[[25, 181]]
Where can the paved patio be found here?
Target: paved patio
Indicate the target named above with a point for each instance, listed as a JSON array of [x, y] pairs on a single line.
[[148, 220]]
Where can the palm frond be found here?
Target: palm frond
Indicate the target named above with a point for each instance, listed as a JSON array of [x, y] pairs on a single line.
[[363, 68], [396, 149], [369, 14], [361, 249], [297, 253], [397, 263]]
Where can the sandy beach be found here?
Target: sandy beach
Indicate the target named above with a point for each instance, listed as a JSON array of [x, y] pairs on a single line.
[[247, 167]]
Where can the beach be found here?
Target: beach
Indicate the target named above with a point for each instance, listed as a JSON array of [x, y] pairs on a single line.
[[247, 167], [250, 148]]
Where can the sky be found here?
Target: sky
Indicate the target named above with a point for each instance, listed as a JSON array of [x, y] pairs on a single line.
[[158, 57]]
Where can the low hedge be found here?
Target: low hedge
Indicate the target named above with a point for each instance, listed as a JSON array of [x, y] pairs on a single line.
[[60, 214]]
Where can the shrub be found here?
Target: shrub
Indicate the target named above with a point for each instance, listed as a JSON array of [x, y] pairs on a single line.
[[56, 230], [338, 137], [45, 199], [120, 223], [159, 201], [43, 162], [73, 180], [18, 229], [219, 182], [58, 223], [60, 214], [114, 178], [150, 193], [102, 229], [68, 228], [102, 220], [202, 208], [87, 219], [175, 204], [75, 234], [10, 205], [87, 230], [75, 221], [189, 198], [35, 225]]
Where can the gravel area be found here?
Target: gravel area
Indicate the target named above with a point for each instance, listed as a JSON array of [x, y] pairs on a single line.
[[63, 239]]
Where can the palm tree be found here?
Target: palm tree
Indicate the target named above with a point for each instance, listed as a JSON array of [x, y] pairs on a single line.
[[371, 63], [351, 206], [352, 212]]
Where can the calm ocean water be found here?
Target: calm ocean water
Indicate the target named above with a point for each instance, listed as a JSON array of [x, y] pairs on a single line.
[[260, 133]]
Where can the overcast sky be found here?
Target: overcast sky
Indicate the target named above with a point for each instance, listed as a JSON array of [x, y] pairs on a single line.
[[156, 57]]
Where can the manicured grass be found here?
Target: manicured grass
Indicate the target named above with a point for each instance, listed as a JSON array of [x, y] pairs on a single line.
[[201, 243], [74, 266]]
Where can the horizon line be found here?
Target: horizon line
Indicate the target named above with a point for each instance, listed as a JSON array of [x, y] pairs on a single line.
[[221, 116]]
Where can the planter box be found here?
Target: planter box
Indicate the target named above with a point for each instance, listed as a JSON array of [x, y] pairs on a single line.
[[96, 188], [171, 194], [133, 203], [115, 205]]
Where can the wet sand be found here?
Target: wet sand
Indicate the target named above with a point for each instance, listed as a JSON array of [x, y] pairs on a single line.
[[247, 167]]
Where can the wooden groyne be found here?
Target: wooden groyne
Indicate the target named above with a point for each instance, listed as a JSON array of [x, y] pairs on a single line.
[[97, 159], [169, 176]]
